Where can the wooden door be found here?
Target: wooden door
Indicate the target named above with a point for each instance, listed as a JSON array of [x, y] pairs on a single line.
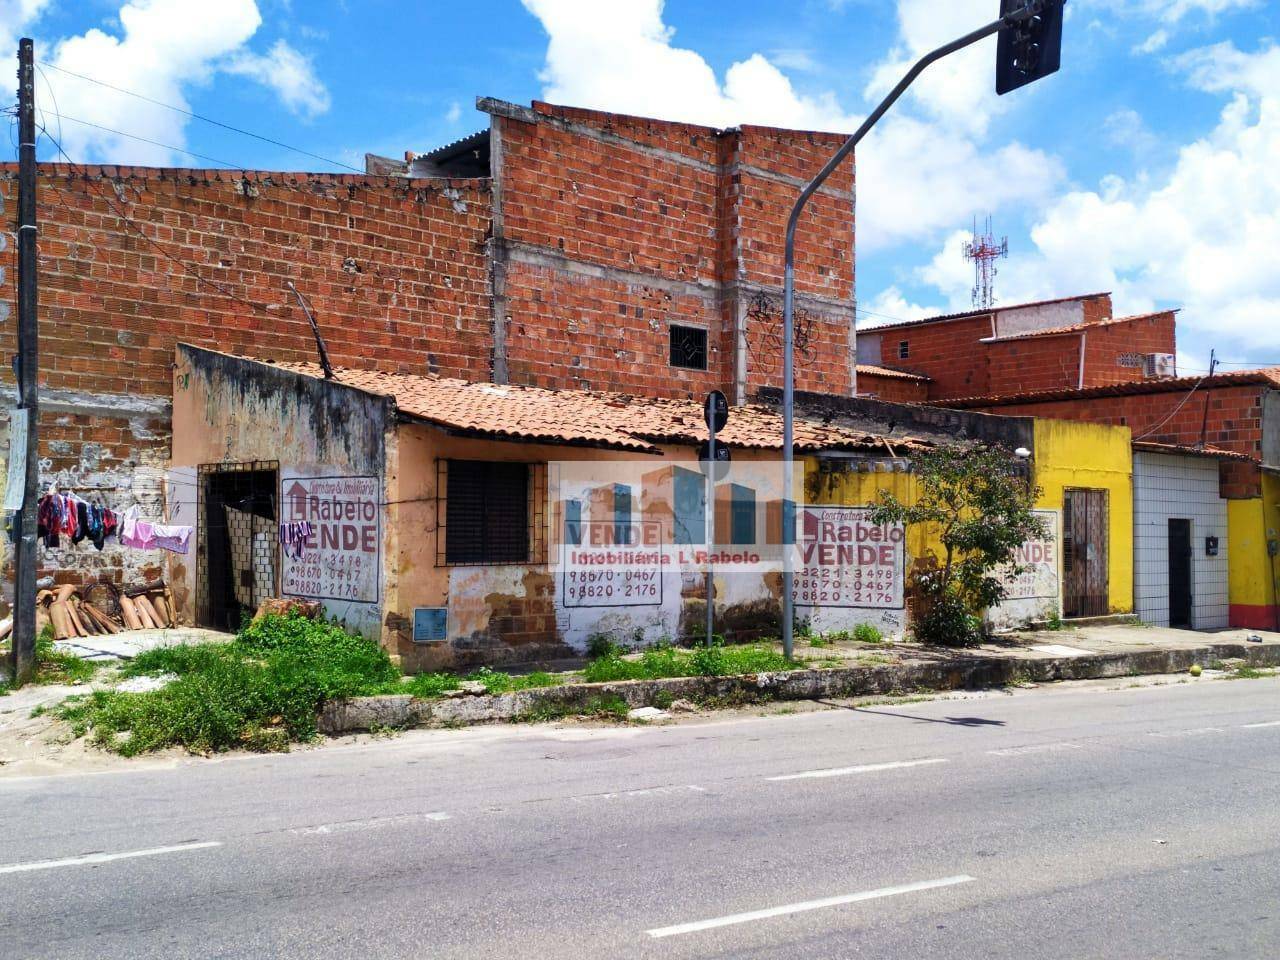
[[1084, 553]]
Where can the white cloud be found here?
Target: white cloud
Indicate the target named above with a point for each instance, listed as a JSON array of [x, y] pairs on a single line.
[[289, 73], [915, 176], [891, 306], [1154, 43], [1175, 11], [1203, 236], [162, 48]]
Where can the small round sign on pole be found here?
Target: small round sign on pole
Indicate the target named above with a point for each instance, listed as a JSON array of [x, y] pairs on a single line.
[[716, 410]]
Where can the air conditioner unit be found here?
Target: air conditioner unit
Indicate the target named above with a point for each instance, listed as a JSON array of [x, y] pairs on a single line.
[[1158, 365]]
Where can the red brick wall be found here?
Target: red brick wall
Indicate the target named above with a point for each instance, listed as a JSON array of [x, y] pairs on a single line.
[[1106, 345], [615, 227], [1033, 363], [895, 389], [948, 352], [1234, 422]]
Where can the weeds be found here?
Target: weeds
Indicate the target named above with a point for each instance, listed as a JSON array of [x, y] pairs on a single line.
[[664, 661]]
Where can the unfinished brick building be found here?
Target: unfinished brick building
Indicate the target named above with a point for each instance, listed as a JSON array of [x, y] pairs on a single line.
[[1068, 343], [559, 248]]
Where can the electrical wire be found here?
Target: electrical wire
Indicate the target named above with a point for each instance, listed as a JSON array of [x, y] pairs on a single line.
[[129, 221], [154, 143], [196, 116]]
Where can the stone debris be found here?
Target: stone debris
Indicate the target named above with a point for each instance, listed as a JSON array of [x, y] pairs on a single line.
[[474, 688], [146, 684], [683, 706], [646, 713]]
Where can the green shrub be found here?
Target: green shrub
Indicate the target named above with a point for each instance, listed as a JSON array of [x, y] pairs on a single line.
[[601, 645], [261, 690], [867, 633]]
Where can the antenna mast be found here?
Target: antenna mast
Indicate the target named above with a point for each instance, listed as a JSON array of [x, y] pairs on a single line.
[[984, 252]]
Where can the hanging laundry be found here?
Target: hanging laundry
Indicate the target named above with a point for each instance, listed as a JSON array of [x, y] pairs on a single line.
[[135, 533], [294, 537], [172, 537]]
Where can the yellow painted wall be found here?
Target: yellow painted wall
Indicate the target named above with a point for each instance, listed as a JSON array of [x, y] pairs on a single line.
[[1091, 455], [1249, 567], [855, 488]]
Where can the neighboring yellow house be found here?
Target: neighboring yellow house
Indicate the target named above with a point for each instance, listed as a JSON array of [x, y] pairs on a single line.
[[1085, 472]]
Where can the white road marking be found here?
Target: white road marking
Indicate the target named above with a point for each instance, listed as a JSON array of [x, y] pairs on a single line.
[[93, 858], [1259, 726], [350, 826], [1035, 748], [805, 906], [866, 768], [644, 792], [1194, 732]]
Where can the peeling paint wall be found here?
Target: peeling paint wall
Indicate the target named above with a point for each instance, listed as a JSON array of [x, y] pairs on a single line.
[[227, 411]]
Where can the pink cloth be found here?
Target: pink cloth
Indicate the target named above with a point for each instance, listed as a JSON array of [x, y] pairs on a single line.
[[171, 537]]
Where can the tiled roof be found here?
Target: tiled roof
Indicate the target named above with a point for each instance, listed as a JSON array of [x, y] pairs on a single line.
[[1150, 446], [1263, 376], [587, 418], [875, 370], [999, 308]]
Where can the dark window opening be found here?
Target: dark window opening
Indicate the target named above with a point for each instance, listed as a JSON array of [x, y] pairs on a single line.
[[688, 347], [904, 349], [690, 506], [487, 512], [573, 522], [742, 515], [621, 513]]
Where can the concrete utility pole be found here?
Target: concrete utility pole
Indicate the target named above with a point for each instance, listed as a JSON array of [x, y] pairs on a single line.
[[27, 369], [1029, 50]]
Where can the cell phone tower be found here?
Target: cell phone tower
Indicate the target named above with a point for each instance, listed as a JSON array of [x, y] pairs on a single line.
[[984, 252]]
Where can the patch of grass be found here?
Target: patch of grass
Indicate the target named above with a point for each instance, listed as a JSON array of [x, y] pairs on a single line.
[[1246, 672], [873, 659], [664, 661], [820, 641], [55, 667], [261, 690], [426, 686], [495, 681]]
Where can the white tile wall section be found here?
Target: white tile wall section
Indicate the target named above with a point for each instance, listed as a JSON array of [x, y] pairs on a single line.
[[1167, 487]]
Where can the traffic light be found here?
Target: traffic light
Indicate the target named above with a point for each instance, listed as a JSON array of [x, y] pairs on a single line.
[[1031, 47]]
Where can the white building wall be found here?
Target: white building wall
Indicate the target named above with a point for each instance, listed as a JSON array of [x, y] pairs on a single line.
[[1178, 487]]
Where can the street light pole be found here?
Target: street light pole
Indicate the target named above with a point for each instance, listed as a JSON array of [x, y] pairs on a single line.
[[1023, 14]]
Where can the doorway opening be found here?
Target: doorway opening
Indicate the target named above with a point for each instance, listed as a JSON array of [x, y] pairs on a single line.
[[1084, 553], [1180, 598], [238, 562]]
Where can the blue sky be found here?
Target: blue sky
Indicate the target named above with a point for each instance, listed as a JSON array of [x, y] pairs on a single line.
[[1149, 166]]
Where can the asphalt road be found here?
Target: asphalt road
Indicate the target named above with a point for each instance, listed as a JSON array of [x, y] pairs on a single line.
[[1066, 823]]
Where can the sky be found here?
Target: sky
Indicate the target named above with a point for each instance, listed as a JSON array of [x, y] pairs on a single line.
[[1149, 166]]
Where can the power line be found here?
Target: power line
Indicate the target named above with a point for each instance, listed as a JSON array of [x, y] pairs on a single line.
[[182, 264], [196, 116], [154, 143]]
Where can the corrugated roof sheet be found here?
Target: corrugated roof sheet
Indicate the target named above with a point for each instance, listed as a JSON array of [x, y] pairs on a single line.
[[588, 418], [1074, 328], [1150, 446]]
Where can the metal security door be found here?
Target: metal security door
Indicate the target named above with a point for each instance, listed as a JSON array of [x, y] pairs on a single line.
[[1084, 552], [239, 544], [1180, 599]]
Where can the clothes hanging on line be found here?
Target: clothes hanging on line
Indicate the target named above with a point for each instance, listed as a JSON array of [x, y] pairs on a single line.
[[145, 535], [61, 515], [294, 537]]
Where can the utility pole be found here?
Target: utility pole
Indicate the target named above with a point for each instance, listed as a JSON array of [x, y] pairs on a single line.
[[1029, 48], [27, 370]]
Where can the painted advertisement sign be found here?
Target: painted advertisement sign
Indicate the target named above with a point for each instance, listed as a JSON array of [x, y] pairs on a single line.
[[847, 561], [1039, 558], [341, 557], [604, 570]]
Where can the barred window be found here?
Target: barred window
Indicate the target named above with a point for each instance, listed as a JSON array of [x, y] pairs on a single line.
[[688, 347], [487, 512]]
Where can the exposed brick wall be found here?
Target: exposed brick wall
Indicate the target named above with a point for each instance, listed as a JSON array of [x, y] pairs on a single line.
[[1107, 345], [614, 227], [950, 353], [1229, 416], [1033, 363], [895, 389]]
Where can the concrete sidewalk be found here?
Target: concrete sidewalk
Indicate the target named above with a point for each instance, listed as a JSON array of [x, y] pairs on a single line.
[[847, 670]]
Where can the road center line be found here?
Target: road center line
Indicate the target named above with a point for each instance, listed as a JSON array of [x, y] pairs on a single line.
[[1259, 726], [804, 906], [93, 858], [372, 823], [865, 768]]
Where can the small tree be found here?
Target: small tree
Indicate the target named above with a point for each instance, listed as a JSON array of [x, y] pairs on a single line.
[[979, 504]]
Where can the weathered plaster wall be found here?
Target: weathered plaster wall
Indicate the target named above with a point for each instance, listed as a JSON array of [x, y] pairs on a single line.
[[1088, 455], [227, 410]]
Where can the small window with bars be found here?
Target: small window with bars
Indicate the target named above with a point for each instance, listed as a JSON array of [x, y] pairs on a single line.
[[688, 347], [904, 349], [487, 511]]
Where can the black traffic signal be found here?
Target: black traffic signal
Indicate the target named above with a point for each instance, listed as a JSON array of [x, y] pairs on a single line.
[[1031, 47]]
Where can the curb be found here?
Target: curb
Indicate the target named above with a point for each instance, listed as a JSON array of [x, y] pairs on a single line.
[[963, 673]]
